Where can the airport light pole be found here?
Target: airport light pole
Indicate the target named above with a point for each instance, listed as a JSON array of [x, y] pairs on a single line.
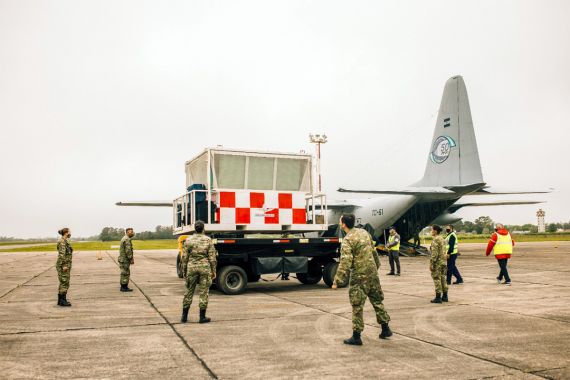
[[318, 140]]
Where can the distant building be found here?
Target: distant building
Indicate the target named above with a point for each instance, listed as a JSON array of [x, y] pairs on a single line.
[[541, 225]]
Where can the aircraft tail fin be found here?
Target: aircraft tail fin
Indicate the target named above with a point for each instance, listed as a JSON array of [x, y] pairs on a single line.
[[453, 158]]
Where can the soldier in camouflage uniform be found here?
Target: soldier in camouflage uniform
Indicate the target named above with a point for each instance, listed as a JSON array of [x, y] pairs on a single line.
[[200, 261], [63, 265], [126, 259], [360, 262], [438, 265]]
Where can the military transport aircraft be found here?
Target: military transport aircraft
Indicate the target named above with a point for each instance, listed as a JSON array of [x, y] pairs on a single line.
[[453, 170]]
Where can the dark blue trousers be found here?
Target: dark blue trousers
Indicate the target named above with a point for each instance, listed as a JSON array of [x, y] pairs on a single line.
[[504, 272], [452, 269]]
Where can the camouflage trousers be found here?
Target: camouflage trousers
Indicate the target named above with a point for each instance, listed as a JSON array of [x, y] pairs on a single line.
[[358, 292], [439, 276], [201, 276], [64, 278], [125, 272]]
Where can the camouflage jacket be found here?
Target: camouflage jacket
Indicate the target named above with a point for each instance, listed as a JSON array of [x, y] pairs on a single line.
[[199, 251], [438, 252], [125, 249], [358, 258], [64, 253]]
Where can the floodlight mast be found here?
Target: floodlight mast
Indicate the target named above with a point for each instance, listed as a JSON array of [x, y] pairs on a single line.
[[318, 140]]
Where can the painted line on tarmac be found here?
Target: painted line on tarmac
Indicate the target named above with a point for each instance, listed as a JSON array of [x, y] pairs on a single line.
[[200, 360], [411, 337]]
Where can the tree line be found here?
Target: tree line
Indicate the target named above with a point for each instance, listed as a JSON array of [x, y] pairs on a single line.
[[553, 227], [485, 225], [113, 233]]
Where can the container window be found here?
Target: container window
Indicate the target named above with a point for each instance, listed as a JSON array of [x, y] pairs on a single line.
[[260, 173], [291, 174], [230, 171]]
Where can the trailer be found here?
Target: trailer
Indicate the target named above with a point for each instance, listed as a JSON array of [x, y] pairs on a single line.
[[242, 261], [263, 214]]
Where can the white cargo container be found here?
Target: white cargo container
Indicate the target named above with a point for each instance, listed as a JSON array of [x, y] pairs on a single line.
[[250, 192]]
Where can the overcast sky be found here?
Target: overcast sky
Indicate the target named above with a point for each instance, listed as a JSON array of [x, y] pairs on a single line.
[[102, 101]]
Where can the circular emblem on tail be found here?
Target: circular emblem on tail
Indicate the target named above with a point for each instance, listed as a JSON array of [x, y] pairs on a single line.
[[441, 149]]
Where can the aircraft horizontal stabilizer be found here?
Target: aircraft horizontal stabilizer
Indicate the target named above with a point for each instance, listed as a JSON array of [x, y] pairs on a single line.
[[457, 206], [488, 190], [404, 191], [146, 203]]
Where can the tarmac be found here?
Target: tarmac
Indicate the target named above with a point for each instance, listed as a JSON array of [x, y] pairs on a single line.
[[283, 329]]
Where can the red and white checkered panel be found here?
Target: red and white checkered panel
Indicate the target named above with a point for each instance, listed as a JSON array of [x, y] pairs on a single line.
[[261, 207]]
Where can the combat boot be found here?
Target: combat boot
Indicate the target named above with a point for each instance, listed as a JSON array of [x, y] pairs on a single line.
[[354, 340], [390, 274], [64, 301], [59, 300], [184, 318], [444, 297], [203, 318], [386, 332], [125, 288], [437, 298]]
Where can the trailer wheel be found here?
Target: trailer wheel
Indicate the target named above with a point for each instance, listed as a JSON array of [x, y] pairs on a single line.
[[329, 272], [179, 269], [232, 280], [313, 276]]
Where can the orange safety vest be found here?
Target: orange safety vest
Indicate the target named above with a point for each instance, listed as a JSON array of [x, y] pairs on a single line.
[[504, 245]]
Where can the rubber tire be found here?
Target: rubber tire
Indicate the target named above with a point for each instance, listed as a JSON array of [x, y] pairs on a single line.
[[314, 275], [231, 273], [329, 271], [179, 270]]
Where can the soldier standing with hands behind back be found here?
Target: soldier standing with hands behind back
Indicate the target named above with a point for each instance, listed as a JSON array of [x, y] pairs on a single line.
[[358, 258], [438, 265], [126, 259], [200, 257], [63, 265]]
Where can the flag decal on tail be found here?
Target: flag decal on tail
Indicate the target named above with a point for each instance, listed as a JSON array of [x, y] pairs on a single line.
[[441, 149]]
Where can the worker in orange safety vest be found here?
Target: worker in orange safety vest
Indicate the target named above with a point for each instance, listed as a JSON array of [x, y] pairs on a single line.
[[501, 243]]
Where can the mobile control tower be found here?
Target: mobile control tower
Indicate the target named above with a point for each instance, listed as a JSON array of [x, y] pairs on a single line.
[[241, 192], [263, 213]]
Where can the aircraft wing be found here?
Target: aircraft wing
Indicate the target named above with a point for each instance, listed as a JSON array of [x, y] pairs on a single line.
[[488, 190], [457, 206], [404, 191], [146, 203], [340, 205]]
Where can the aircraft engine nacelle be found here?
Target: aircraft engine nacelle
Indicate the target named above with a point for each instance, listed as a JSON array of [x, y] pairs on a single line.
[[445, 219]]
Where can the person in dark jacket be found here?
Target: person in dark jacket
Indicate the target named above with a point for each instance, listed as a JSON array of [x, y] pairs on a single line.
[[452, 246]]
